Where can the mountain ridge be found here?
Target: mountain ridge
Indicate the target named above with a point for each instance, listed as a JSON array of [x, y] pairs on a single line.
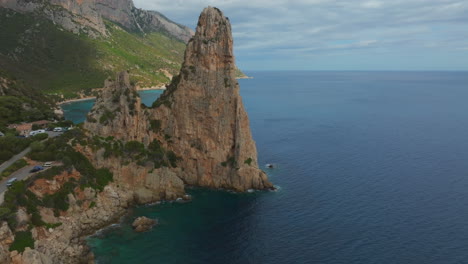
[[88, 16]]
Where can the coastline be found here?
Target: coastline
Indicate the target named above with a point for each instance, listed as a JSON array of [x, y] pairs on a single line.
[[94, 97], [244, 77]]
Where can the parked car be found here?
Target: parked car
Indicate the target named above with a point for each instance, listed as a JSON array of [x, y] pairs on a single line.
[[58, 129], [11, 181], [47, 164], [36, 169], [35, 132]]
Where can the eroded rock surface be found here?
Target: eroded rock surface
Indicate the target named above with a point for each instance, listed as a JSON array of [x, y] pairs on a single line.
[[200, 117]]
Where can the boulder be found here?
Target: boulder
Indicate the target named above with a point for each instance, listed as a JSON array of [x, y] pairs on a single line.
[[5, 232], [143, 224], [4, 254], [22, 218]]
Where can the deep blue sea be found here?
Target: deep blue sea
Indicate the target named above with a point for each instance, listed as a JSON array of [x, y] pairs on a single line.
[[372, 167]]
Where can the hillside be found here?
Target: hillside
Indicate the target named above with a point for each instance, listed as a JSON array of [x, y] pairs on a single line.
[[19, 102], [51, 59]]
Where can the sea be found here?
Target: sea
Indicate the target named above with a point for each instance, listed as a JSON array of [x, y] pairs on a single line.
[[370, 167]]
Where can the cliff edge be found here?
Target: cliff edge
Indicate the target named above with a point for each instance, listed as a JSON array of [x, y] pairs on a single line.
[[199, 121]]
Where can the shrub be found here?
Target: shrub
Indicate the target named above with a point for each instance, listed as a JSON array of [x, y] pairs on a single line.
[[103, 177], [91, 119], [14, 167], [59, 200], [37, 146], [106, 117], [248, 161], [40, 137], [231, 161], [172, 157], [11, 145], [134, 147], [155, 125], [36, 219], [23, 239], [4, 213]]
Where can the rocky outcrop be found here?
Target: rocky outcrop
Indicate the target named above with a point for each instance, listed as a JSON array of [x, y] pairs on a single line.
[[86, 16], [126, 14], [143, 224], [200, 117]]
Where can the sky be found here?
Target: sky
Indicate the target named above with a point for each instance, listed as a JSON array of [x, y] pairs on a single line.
[[337, 35]]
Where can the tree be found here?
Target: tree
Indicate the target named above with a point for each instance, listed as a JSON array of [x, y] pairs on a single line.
[[37, 146]]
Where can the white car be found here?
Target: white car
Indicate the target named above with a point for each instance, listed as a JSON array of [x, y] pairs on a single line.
[[35, 132], [11, 181], [58, 129], [47, 164]]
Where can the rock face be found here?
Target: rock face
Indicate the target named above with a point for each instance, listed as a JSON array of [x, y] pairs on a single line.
[[143, 224], [125, 13], [87, 16], [200, 117], [75, 16]]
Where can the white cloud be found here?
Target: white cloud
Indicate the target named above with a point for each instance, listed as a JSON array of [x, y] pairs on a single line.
[[295, 27], [372, 4]]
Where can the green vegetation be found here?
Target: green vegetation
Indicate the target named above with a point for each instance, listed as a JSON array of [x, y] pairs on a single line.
[[248, 161], [56, 61], [52, 225], [155, 125], [106, 117], [17, 109], [231, 161], [58, 149], [11, 145], [23, 239], [18, 195], [92, 204], [14, 167], [133, 151]]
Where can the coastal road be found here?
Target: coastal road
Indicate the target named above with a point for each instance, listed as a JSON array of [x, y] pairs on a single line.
[[22, 173], [15, 158], [23, 153]]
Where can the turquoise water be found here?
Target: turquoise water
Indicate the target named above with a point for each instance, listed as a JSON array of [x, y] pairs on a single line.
[[76, 111], [372, 168]]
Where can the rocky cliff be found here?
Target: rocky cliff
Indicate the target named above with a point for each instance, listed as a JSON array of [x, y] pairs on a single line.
[[200, 117], [197, 133], [87, 16]]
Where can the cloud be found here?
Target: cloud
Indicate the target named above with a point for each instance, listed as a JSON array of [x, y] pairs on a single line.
[[302, 28]]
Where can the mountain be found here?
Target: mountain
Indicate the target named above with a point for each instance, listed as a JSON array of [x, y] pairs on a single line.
[[199, 120], [69, 47], [88, 16]]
